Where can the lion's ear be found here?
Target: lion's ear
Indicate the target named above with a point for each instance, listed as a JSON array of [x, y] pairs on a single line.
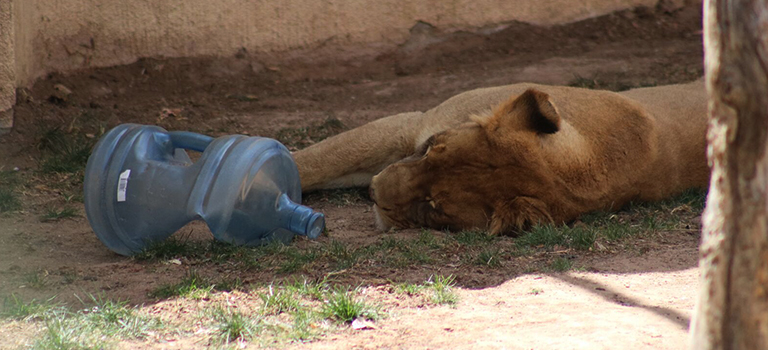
[[519, 214], [531, 110]]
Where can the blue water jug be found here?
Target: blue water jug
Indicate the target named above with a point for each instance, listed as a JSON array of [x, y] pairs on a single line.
[[141, 187]]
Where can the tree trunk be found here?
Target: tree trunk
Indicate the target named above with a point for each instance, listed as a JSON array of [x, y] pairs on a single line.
[[732, 309]]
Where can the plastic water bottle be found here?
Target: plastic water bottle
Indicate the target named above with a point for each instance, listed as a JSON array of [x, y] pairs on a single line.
[[141, 187]]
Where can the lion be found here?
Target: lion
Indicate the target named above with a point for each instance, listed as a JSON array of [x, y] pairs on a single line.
[[506, 158]]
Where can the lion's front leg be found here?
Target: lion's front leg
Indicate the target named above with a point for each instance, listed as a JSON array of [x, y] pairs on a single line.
[[352, 158]]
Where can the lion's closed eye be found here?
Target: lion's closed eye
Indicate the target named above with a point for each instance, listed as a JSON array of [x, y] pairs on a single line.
[[425, 147]]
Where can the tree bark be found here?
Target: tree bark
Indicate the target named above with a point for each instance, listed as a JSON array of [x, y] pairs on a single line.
[[732, 309]]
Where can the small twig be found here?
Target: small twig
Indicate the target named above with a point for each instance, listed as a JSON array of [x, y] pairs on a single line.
[[558, 252], [332, 273]]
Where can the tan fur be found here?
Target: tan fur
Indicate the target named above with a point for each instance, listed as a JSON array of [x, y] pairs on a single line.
[[508, 157]]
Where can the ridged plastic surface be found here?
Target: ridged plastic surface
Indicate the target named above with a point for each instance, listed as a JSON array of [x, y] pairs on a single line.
[[141, 187]]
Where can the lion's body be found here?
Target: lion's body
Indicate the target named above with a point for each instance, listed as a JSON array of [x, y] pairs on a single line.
[[503, 168]]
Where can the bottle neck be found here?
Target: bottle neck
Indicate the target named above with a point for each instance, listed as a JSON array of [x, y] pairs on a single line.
[[303, 220]]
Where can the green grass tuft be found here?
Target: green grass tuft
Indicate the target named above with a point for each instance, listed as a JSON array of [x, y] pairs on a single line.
[[586, 83], [581, 238], [595, 83], [339, 197], [410, 289], [195, 286], [342, 254], [223, 252], [543, 235], [233, 326], [61, 333], [308, 289], [442, 288], [167, 249], [36, 279], [191, 286], [304, 327], [228, 285], [690, 200], [295, 259], [392, 243], [549, 236], [561, 264], [116, 318], [53, 214], [427, 239], [64, 152], [9, 198], [343, 306], [95, 327], [15, 308], [278, 300], [416, 254], [473, 237], [489, 257]]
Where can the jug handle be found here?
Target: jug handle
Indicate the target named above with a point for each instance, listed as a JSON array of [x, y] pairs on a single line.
[[190, 140]]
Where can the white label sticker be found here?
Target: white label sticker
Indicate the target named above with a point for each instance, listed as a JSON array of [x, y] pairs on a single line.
[[122, 185]]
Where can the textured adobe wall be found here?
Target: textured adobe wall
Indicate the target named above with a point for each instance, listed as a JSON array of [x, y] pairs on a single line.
[[70, 34], [7, 66], [41, 36]]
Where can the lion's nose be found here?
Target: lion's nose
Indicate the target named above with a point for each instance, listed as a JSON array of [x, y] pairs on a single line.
[[371, 194]]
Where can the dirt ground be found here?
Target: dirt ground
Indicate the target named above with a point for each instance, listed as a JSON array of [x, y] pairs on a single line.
[[618, 298]]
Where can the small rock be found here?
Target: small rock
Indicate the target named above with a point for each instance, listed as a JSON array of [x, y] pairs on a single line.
[[24, 95], [170, 112], [61, 91], [243, 97], [99, 91], [359, 324]]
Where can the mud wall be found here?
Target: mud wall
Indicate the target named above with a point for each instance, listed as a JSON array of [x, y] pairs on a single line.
[[41, 36], [7, 66]]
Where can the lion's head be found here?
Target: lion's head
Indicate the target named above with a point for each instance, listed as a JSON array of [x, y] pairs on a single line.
[[490, 173]]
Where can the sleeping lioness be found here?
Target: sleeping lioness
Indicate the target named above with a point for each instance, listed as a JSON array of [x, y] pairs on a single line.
[[509, 157]]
